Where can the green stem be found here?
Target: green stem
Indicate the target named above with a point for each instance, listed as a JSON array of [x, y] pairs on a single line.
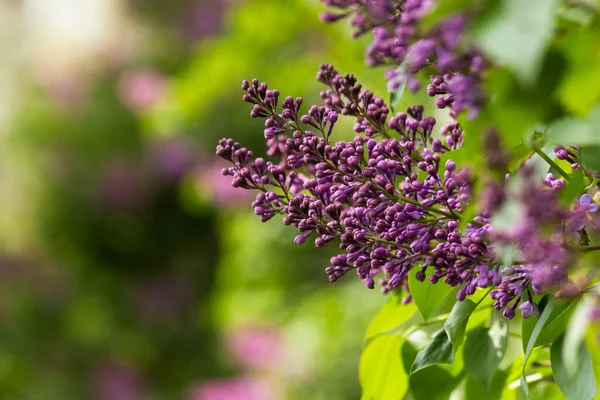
[[482, 298], [551, 162], [587, 249]]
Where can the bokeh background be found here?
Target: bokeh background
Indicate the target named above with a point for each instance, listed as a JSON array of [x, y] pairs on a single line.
[[129, 267]]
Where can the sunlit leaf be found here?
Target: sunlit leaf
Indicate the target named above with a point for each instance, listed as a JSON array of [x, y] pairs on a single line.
[[381, 372], [426, 295], [580, 88], [392, 315]]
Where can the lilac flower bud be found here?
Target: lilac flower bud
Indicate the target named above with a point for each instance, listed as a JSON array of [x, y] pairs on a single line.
[[527, 309], [330, 17], [509, 313]]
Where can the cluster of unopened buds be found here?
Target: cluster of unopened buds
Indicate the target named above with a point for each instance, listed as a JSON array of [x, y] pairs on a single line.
[[403, 43], [392, 198]]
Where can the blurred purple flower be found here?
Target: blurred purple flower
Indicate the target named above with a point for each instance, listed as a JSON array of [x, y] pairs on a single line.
[[160, 299], [141, 89], [211, 182], [118, 382], [229, 389], [579, 215], [205, 18], [68, 92], [173, 157], [255, 347], [122, 186]]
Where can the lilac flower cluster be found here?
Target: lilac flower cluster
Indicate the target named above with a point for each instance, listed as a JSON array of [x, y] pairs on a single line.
[[392, 198], [402, 42], [392, 204]]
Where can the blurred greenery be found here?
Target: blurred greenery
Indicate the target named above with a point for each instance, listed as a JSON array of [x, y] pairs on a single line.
[[130, 269]]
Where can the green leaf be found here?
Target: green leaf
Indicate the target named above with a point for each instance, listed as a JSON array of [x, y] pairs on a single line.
[[443, 9], [517, 35], [593, 344], [554, 326], [572, 189], [409, 353], [499, 334], [484, 350], [514, 110], [456, 324], [590, 157], [381, 373], [468, 214], [575, 334], [519, 153], [400, 80], [543, 390], [580, 88], [572, 130], [475, 390], [513, 351], [433, 383], [391, 316], [581, 386], [576, 131], [547, 306], [427, 295], [439, 351], [481, 314]]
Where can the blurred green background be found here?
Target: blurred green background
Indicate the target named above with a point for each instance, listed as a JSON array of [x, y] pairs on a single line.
[[129, 267]]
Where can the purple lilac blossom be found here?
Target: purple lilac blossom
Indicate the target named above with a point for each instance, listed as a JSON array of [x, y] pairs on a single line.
[[141, 89], [580, 213], [400, 38], [118, 382], [392, 204], [233, 389], [256, 347]]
